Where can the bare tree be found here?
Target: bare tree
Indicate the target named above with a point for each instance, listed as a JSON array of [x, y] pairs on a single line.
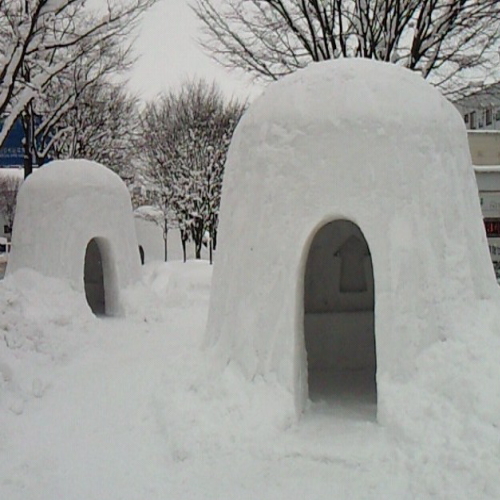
[[442, 39], [41, 38], [185, 138], [9, 187]]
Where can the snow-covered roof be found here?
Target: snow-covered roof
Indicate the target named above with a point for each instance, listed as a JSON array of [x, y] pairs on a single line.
[[149, 212], [12, 172], [487, 168], [62, 177]]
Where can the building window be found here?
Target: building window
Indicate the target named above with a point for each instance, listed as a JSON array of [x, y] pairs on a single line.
[[466, 118], [497, 115], [492, 226], [488, 116], [473, 120]]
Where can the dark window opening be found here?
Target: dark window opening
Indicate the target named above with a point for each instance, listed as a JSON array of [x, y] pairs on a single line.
[[473, 120], [492, 227], [93, 277], [488, 117]]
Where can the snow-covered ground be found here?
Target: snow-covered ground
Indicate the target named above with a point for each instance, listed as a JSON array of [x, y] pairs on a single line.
[[130, 408]]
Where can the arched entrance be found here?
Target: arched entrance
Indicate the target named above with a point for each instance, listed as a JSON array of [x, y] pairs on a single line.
[[339, 326], [93, 277]]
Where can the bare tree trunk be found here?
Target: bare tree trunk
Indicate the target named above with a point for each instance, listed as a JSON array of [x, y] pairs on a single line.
[[29, 133], [165, 240], [210, 251], [28, 161], [214, 239], [183, 242], [197, 233]]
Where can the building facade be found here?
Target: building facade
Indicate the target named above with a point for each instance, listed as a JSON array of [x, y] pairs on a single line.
[[481, 110], [485, 152]]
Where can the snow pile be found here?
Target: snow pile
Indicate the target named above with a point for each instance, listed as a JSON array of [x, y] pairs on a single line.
[[149, 212], [168, 286], [132, 407], [448, 414], [36, 317]]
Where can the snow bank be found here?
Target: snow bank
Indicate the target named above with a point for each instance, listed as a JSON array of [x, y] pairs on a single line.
[[127, 408], [37, 320], [168, 285], [370, 143], [61, 207]]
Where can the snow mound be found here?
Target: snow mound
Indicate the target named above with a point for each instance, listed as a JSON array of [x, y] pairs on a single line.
[[131, 407], [167, 285], [38, 320], [69, 210], [367, 151]]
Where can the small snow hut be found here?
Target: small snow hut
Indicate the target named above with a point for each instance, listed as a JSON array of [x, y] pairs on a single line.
[[74, 222], [350, 230]]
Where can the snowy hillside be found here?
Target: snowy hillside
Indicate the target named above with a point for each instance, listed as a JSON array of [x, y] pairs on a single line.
[[131, 409]]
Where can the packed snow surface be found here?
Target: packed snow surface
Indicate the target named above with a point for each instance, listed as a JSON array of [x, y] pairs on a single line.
[[128, 408]]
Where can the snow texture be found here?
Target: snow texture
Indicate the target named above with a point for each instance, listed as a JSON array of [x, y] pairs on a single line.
[[61, 207], [374, 144], [12, 172], [126, 409]]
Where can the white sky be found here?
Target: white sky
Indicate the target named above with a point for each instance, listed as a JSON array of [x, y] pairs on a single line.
[[168, 54]]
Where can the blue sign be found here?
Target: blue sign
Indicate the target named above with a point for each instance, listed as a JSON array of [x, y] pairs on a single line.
[[12, 151]]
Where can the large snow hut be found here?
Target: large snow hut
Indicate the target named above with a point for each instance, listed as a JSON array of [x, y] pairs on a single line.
[[350, 230], [74, 222]]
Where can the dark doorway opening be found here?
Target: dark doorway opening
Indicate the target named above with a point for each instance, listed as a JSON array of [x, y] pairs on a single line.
[[93, 277], [141, 254], [339, 321]]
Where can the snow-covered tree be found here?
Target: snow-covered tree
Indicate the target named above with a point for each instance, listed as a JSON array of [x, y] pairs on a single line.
[[101, 126], [9, 187], [442, 39], [185, 138], [39, 39], [57, 117]]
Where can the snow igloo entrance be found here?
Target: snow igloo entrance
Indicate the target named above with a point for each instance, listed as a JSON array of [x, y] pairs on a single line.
[[339, 326], [98, 277]]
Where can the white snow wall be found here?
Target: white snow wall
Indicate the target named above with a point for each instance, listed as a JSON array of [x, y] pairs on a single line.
[[363, 141], [150, 238], [61, 207]]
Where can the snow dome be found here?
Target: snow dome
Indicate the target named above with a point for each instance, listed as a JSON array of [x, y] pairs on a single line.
[[350, 232], [74, 222]]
